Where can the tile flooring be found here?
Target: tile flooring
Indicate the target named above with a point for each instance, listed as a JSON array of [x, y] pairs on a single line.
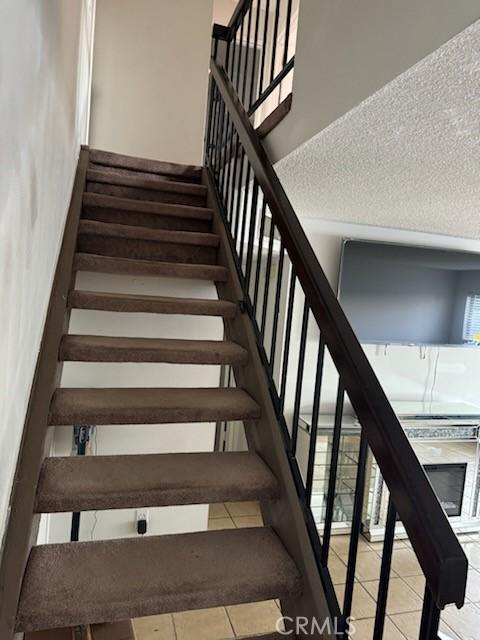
[[405, 598], [222, 623], [403, 606]]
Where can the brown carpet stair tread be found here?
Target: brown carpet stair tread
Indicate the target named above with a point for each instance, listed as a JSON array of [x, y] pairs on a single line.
[[154, 183], [83, 483], [127, 266], [109, 406], [109, 159], [130, 303], [100, 200], [90, 582], [93, 227], [89, 348]]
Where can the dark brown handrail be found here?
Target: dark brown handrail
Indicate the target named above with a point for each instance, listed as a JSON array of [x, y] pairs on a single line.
[[240, 9], [438, 550]]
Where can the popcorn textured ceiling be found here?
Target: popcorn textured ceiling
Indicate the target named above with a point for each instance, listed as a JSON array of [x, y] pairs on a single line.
[[408, 157]]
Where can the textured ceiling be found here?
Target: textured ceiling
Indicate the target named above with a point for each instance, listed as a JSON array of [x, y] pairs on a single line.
[[407, 157]]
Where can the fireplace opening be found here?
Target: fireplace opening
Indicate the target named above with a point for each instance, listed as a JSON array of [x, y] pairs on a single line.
[[448, 482]]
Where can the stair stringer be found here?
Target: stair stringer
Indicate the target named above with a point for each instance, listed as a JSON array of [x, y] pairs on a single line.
[[285, 514]]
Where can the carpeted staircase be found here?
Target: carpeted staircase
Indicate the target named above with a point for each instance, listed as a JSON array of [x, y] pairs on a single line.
[[148, 218]]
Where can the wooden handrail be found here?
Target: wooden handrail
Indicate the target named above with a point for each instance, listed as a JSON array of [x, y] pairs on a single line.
[[241, 8], [438, 550]]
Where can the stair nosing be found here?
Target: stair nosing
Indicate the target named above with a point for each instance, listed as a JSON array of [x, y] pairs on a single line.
[[147, 234], [158, 405], [125, 161], [105, 201], [108, 301], [213, 272], [155, 184], [130, 577], [85, 483], [89, 348]]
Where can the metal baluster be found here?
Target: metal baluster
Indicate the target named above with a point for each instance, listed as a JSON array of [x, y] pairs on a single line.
[[254, 59], [245, 208], [231, 71], [314, 426], [430, 617], [239, 195], [301, 363], [259, 256], [231, 206], [223, 150], [236, 84], [264, 45], [266, 288], [286, 345], [287, 31], [274, 41], [251, 234], [208, 136], [276, 308], [356, 525], [231, 161], [332, 479], [218, 139], [215, 132], [384, 582], [228, 160], [247, 53]]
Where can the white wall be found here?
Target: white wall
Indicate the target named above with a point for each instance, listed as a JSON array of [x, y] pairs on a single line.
[[223, 11], [347, 50], [150, 77], [40, 89]]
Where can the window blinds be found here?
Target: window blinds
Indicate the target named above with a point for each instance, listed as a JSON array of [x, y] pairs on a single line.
[[471, 320]]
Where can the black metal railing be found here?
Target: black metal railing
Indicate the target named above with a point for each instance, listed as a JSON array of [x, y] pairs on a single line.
[[259, 47], [312, 357]]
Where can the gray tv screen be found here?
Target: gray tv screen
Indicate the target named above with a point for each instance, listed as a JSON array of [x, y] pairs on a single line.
[[410, 295]]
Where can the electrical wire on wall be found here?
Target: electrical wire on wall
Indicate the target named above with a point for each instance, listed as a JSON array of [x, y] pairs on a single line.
[[427, 355], [94, 450], [435, 370]]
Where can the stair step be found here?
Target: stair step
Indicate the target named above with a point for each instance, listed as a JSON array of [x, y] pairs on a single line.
[[155, 215], [80, 583], [127, 266], [85, 483], [150, 406], [89, 348], [93, 227], [174, 170], [141, 243], [155, 188], [129, 303]]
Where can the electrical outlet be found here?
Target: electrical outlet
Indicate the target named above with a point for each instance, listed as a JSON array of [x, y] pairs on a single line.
[[142, 514], [142, 521]]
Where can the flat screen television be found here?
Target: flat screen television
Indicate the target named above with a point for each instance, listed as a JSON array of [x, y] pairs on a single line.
[[401, 294]]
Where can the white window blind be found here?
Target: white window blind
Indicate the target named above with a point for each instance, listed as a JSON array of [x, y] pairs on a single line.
[[471, 319]]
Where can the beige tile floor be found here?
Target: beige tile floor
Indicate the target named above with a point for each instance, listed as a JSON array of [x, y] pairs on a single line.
[[403, 606], [405, 592], [222, 623]]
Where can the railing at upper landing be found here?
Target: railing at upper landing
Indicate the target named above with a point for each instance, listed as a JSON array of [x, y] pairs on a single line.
[[259, 53]]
